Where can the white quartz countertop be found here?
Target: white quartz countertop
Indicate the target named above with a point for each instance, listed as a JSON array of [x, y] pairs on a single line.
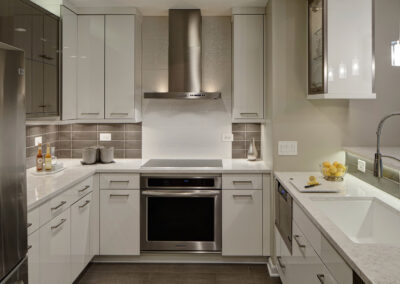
[[374, 263], [369, 153], [42, 188]]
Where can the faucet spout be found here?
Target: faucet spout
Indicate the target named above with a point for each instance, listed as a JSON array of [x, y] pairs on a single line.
[[378, 168]]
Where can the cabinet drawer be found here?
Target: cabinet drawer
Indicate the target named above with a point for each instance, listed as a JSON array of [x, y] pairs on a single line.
[[33, 220], [242, 181], [54, 207], [33, 258], [81, 189], [334, 262], [310, 231], [119, 181]]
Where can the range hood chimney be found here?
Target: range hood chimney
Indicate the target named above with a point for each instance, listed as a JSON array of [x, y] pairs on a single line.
[[184, 58]]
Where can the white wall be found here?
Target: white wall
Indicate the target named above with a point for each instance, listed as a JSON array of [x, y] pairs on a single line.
[[187, 129]]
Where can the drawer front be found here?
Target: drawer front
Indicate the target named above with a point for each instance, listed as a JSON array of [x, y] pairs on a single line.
[[119, 181], [33, 220], [81, 189], [242, 181], [334, 262], [310, 231], [55, 207]]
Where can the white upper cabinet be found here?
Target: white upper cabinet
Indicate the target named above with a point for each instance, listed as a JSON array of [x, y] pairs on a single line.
[[120, 51], [341, 47], [69, 62], [248, 67], [90, 100]]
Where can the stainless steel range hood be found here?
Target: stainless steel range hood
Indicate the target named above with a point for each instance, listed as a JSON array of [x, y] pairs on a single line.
[[184, 58]]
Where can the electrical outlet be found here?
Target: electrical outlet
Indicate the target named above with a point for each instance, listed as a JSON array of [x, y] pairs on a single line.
[[227, 137], [38, 140], [105, 136], [361, 165], [287, 148]]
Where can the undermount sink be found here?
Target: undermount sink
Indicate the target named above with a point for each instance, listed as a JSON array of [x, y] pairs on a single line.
[[363, 220]]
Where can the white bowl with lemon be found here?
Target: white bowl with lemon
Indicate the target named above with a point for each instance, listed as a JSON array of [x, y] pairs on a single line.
[[333, 171]]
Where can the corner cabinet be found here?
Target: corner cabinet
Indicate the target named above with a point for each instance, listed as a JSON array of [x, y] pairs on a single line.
[[341, 49], [248, 67], [102, 67]]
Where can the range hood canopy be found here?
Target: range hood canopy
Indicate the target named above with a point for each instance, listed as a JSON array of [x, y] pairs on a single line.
[[184, 58]]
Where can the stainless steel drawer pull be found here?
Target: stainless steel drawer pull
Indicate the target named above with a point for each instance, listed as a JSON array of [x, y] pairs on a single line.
[[243, 196], [249, 113], [84, 204], [119, 113], [90, 113], [296, 238], [242, 181], [119, 195], [125, 181], [29, 224], [59, 205], [280, 262], [59, 224], [177, 193], [29, 247], [83, 189], [321, 278]]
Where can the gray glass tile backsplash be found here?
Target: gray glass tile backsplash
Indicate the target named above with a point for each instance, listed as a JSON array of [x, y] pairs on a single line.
[[126, 138]]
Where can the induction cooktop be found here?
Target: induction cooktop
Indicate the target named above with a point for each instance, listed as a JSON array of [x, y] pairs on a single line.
[[182, 163]]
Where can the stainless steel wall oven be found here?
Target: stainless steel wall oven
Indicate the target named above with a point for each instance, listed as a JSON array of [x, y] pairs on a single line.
[[181, 213]]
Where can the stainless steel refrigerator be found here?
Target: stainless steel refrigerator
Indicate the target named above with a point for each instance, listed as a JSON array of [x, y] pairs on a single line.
[[13, 211]]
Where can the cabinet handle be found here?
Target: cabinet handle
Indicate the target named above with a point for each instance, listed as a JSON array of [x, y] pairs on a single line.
[[242, 181], [90, 113], [280, 262], [84, 205], [59, 205], [249, 113], [29, 247], [125, 181], [243, 196], [42, 106], [83, 189], [59, 224], [321, 278], [296, 238], [119, 113], [119, 195], [28, 225]]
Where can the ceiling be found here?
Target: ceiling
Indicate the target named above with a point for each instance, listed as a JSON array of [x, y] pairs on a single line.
[[160, 7]]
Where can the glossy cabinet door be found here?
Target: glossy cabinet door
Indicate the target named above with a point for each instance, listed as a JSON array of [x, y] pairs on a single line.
[[37, 104], [50, 42], [119, 222], [69, 63], [50, 89], [55, 245], [37, 36], [80, 235], [33, 258], [282, 256], [242, 222], [120, 66], [90, 89], [5, 21], [248, 67], [22, 26]]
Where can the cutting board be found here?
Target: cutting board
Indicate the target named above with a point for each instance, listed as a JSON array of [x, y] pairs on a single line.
[[324, 187]]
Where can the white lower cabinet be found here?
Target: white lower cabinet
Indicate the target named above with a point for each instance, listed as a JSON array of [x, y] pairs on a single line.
[[80, 235], [119, 222], [282, 257], [55, 250], [33, 258], [242, 222]]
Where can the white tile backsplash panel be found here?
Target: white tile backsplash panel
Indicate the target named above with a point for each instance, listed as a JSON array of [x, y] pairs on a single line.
[[187, 129]]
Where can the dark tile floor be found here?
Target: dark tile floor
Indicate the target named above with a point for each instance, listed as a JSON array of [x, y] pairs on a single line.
[[176, 274]]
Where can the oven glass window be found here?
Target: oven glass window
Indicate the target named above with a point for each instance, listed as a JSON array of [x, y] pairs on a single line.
[[180, 219]]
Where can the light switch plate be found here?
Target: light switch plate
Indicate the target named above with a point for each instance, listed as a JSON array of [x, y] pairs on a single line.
[[361, 165], [287, 148], [38, 140], [105, 136], [227, 137]]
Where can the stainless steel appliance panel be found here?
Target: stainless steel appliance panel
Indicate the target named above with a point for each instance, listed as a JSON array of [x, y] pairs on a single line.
[[284, 214], [19, 275], [13, 214]]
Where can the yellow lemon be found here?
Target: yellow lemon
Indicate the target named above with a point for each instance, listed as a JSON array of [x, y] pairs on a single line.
[[326, 172], [333, 170], [336, 163], [312, 178], [326, 164], [340, 166], [339, 174]]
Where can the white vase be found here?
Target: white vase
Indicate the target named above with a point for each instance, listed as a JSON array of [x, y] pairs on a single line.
[[252, 153]]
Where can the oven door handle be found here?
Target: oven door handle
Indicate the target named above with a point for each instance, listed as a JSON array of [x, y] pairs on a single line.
[[169, 193]]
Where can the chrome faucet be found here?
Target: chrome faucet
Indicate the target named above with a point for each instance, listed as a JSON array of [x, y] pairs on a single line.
[[378, 168]]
